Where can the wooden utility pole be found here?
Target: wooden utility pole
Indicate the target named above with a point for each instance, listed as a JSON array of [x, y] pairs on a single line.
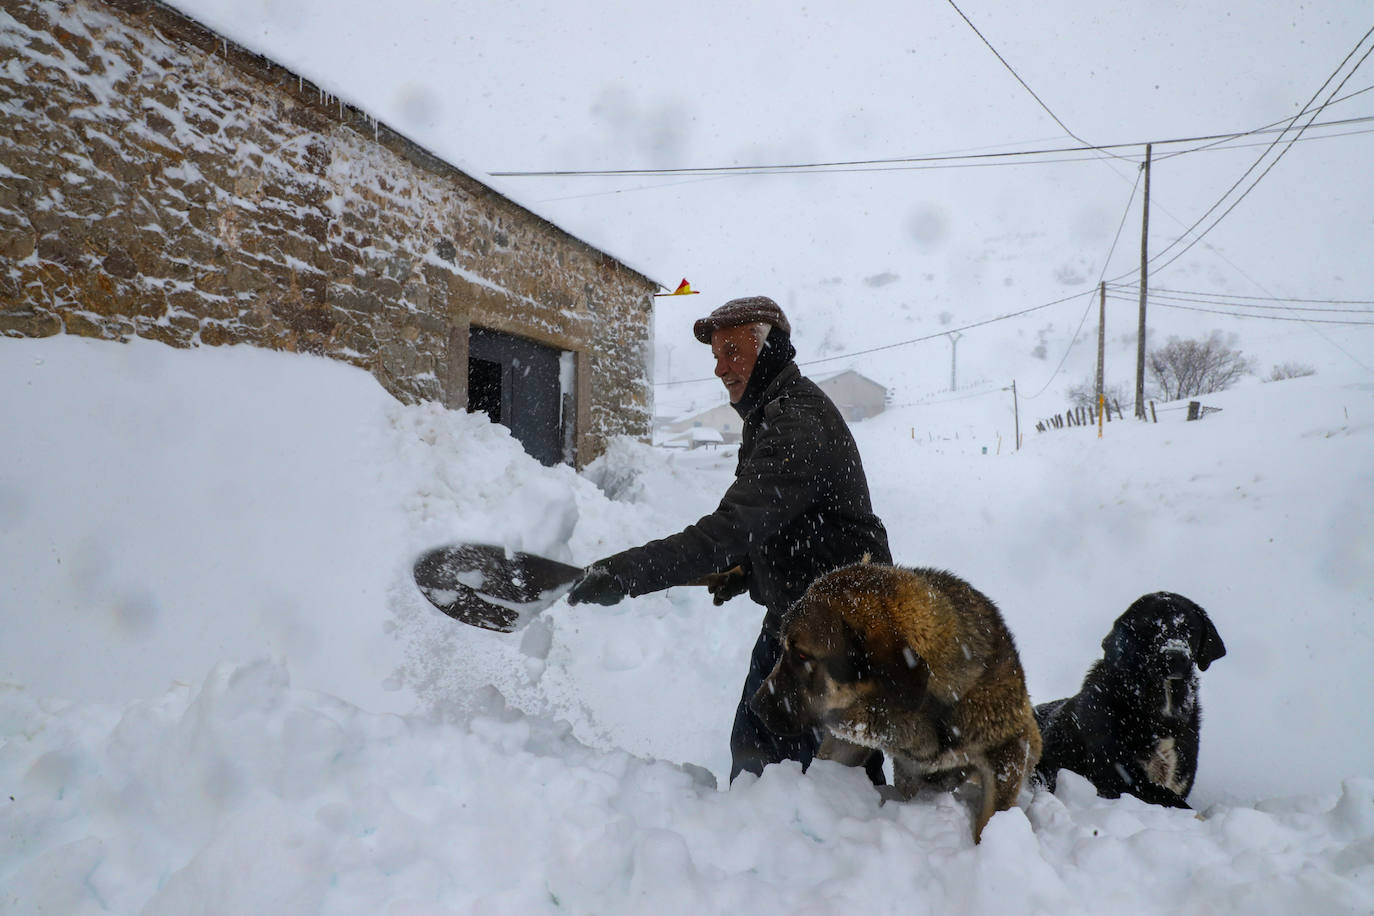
[[1144, 260], [1101, 350], [1016, 412]]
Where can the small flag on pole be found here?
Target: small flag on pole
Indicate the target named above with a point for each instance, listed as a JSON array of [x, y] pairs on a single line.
[[683, 289]]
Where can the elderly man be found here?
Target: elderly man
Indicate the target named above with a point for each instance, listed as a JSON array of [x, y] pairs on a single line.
[[798, 508]]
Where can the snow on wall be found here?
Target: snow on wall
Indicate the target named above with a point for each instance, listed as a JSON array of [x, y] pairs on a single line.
[[158, 181]]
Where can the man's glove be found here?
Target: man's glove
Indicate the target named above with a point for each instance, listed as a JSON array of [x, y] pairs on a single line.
[[598, 585], [726, 585]]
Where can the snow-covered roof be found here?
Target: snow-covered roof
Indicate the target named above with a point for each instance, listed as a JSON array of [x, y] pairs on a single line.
[[827, 376]]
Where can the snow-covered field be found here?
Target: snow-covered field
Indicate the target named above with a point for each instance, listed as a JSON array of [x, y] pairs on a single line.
[[219, 692]]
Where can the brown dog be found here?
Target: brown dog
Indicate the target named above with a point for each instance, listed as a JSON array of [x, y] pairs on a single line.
[[916, 663]]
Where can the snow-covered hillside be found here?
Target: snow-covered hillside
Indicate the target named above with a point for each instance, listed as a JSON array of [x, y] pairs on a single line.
[[220, 693]]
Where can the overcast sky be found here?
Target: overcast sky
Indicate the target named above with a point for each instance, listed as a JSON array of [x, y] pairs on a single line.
[[620, 85]]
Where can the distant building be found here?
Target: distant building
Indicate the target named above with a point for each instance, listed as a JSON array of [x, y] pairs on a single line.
[[696, 437], [857, 396], [721, 420]]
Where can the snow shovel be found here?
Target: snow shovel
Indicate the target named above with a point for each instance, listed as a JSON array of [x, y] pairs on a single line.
[[485, 586]]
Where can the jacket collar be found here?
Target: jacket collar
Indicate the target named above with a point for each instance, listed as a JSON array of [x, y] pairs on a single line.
[[786, 376], [774, 357]]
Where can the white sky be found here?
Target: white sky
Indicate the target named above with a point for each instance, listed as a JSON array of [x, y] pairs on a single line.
[[610, 85]]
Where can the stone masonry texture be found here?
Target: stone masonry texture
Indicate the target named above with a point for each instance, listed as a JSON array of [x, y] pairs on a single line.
[[159, 181]]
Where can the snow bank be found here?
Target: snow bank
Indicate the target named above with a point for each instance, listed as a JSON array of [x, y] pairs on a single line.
[[280, 723], [245, 795]]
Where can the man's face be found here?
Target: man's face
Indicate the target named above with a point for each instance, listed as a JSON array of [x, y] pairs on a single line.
[[736, 350]]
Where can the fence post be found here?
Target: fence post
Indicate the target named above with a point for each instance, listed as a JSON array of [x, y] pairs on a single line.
[[1194, 408]]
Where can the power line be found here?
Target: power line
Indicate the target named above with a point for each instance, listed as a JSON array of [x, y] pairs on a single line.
[[1193, 308], [1267, 128], [917, 165], [1261, 158], [1067, 350], [1105, 264], [900, 343], [1012, 71], [1217, 148], [1036, 308], [1224, 300], [1190, 292], [1330, 100], [955, 160], [1233, 314]]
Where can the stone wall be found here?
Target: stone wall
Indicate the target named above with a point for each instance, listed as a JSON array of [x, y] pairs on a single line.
[[159, 181]]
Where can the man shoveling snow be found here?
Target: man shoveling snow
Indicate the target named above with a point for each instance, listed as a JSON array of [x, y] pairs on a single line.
[[799, 507]]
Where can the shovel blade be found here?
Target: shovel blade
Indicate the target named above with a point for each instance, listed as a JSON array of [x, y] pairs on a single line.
[[485, 586]]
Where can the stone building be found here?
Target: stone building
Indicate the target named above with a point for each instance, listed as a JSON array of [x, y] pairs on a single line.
[[156, 180]]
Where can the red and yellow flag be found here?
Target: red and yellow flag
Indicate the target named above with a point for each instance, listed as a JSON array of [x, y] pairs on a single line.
[[683, 289]]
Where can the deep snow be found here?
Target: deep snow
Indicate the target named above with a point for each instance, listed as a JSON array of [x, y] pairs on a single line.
[[220, 693]]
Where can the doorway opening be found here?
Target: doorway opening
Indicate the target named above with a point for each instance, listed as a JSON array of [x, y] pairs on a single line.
[[524, 386]]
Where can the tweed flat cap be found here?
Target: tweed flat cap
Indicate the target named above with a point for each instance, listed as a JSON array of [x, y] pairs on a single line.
[[741, 311]]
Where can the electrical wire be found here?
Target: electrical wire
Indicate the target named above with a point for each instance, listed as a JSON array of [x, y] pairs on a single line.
[[1215, 148], [1199, 237], [1105, 263], [1234, 314], [916, 165], [1156, 295], [1024, 84], [1330, 100], [1267, 128], [900, 343], [957, 159], [1191, 292]]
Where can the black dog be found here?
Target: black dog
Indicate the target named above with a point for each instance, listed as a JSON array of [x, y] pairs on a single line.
[[1134, 725]]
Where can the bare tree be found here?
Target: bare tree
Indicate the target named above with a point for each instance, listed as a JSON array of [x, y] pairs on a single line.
[[1289, 370], [1085, 394], [1186, 368]]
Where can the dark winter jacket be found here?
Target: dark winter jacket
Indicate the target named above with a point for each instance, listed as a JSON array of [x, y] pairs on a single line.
[[798, 508]]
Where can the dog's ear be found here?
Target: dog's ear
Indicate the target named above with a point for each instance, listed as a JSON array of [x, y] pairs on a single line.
[[852, 662], [1114, 643], [908, 676], [1209, 646]]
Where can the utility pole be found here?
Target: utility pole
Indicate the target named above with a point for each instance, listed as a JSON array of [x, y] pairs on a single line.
[[1016, 412], [1101, 350], [1144, 260], [953, 359]]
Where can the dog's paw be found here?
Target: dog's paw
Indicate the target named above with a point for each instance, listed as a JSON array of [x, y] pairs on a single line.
[[889, 794]]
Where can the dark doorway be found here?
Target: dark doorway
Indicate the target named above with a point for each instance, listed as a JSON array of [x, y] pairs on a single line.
[[518, 383], [484, 388]]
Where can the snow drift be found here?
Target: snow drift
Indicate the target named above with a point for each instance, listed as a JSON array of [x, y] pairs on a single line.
[[220, 693]]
